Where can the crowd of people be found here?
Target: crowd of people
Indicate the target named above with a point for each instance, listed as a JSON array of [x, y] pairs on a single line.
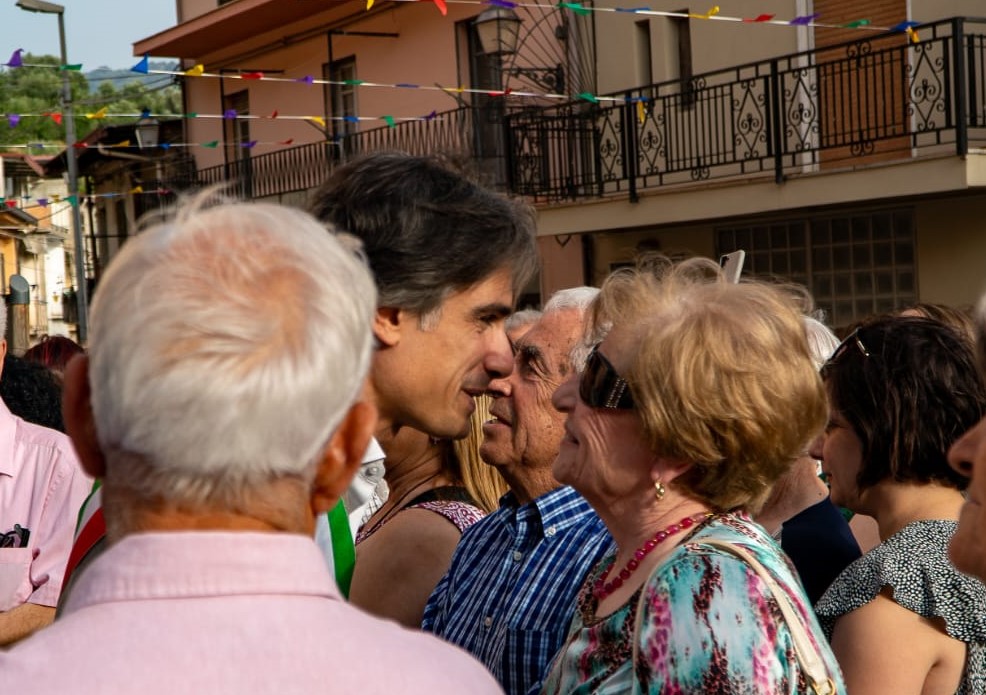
[[320, 451]]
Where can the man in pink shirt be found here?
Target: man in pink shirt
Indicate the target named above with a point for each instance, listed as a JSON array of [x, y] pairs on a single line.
[[222, 407], [41, 490]]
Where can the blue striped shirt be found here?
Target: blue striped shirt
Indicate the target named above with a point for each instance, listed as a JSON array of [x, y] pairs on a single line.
[[509, 594]]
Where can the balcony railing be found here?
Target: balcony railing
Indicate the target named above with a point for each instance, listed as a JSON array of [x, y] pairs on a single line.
[[474, 136], [876, 100]]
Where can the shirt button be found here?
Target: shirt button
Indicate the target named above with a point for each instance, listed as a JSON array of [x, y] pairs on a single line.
[[488, 621], [550, 531], [518, 556]]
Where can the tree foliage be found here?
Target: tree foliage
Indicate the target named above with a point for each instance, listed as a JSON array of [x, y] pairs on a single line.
[[28, 91]]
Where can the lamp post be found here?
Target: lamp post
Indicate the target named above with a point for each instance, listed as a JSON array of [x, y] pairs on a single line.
[[82, 289], [498, 29]]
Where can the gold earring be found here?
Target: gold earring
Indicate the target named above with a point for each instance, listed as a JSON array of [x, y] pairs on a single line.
[[659, 490]]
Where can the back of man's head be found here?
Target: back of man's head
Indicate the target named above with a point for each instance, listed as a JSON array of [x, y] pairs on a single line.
[[227, 345], [427, 230]]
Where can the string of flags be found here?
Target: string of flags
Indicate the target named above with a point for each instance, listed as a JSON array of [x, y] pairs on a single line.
[[63, 202], [713, 14]]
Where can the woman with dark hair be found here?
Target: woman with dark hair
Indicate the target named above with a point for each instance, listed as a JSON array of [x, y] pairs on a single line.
[[54, 352], [901, 391]]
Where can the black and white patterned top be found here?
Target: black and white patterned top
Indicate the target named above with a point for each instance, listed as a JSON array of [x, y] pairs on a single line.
[[914, 564]]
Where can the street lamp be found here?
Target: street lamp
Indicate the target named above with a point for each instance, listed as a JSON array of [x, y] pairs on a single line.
[[498, 29], [82, 293]]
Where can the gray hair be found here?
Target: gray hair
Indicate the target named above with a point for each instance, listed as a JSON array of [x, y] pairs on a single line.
[[227, 346], [519, 319], [822, 342], [579, 298]]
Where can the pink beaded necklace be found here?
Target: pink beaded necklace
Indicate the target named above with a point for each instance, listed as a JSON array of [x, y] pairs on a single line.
[[601, 588]]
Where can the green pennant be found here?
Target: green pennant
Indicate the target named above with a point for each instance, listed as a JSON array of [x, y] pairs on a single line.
[[858, 23], [389, 120], [191, 114], [588, 97], [213, 144], [73, 199], [353, 83], [74, 66], [576, 7]]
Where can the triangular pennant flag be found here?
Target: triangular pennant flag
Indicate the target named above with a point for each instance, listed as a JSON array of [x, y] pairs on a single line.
[[252, 76], [575, 7], [192, 114], [913, 35], [56, 117], [389, 120], [11, 203], [142, 66], [857, 24], [641, 112], [273, 114], [13, 119], [249, 144], [440, 4], [55, 198], [502, 3], [145, 113], [73, 199], [307, 79], [317, 119], [588, 97], [74, 67], [15, 59], [286, 142], [804, 20], [760, 18], [431, 116], [904, 26], [351, 119], [407, 85], [229, 114], [98, 116], [711, 13], [82, 145], [211, 144], [122, 143], [195, 71], [137, 189], [354, 83], [164, 145], [43, 202], [369, 4]]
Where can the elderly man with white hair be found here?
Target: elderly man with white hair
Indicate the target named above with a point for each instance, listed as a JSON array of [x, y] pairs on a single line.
[[221, 406]]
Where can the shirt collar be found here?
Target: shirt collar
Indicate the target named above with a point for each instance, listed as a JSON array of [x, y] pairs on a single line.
[[8, 431], [197, 564]]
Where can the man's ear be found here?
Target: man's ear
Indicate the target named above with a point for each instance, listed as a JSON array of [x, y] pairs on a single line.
[[77, 413], [342, 457], [388, 324]]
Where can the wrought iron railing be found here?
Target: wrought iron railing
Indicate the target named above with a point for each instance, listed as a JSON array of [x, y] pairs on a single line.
[[880, 99], [474, 136]]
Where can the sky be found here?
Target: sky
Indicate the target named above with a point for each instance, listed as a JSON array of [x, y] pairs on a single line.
[[97, 32]]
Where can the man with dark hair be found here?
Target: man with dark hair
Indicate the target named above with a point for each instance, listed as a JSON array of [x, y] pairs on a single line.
[[449, 258]]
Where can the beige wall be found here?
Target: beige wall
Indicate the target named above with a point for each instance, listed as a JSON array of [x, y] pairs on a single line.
[[715, 44], [930, 10], [424, 54]]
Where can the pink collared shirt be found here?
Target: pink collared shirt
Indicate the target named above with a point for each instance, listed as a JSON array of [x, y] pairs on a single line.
[[227, 612], [41, 490]]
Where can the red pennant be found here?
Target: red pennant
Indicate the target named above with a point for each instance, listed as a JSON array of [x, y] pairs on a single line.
[[440, 4], [56, 117], [252, 76], [286, 142], [760, 18]]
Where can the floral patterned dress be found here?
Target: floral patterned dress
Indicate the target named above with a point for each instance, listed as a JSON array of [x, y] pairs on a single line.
[[710, 625]]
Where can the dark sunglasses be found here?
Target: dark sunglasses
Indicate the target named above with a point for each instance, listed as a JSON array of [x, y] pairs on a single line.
[[852, 341], [600, 385]]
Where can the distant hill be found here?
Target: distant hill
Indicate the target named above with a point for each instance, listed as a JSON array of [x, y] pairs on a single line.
[[119, 78]]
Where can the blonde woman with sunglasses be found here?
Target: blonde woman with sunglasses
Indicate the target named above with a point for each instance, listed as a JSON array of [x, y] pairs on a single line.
[[700, 397]]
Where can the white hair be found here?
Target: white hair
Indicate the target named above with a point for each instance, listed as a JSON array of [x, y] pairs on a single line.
[[226, 347], [519, 319], [579, 298], [822, 342]]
